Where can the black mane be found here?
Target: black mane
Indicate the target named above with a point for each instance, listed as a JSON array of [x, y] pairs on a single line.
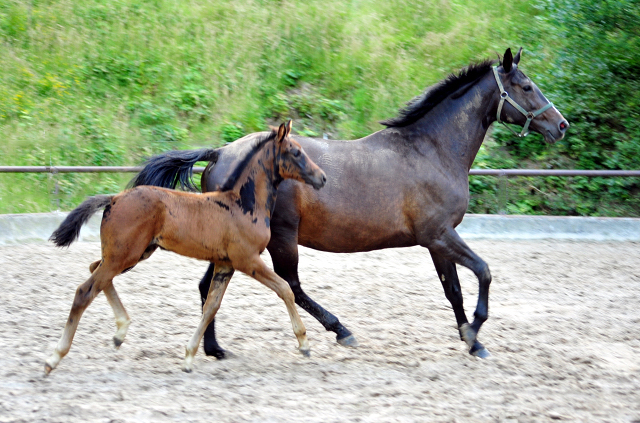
[[422, 104], [235, 174]]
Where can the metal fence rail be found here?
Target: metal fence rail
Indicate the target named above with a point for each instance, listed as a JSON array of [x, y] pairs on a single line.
[[478, 172]]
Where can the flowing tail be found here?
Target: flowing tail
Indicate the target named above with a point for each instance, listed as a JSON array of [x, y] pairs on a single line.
[[69, 229], [172, 168]]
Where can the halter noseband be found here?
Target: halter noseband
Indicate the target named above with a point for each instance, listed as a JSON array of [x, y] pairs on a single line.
[[529, 115]]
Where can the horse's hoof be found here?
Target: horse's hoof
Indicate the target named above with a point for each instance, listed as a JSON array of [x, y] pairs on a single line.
[[117, 341], [348, 341], [187, 369], [478, 350], [216, 352], [47, 369], [306, 353]]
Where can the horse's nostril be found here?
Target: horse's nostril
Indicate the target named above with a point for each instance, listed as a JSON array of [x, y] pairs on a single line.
[[324, 179], [564, 125]]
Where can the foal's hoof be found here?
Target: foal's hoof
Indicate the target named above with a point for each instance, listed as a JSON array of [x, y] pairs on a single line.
[[348, 341], [117, 341], [306, 353], [478, 350], [47, 368]]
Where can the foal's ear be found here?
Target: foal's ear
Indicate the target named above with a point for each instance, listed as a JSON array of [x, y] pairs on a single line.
[[507, 61], [289, 125], [282, 133], [516, 59]]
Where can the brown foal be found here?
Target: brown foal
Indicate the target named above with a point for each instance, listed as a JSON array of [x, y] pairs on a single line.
[[230, 228]]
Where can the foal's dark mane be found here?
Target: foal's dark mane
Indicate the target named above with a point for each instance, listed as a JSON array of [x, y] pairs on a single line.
[[422, 104], [235, 174]]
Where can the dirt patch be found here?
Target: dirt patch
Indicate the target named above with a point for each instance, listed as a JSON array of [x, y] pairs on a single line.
[[563, 331]]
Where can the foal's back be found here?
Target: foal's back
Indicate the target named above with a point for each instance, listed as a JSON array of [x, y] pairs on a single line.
[[204, 227]]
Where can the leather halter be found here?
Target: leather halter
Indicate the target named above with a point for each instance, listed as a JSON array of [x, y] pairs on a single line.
[[529, 115]]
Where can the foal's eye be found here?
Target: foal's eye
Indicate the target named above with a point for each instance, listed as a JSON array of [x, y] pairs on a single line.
[[527, 88]]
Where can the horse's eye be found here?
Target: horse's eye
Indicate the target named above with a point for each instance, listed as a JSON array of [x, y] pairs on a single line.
[[296, 153], [527, 88]]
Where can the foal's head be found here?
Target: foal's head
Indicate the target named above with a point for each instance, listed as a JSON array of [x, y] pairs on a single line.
[[541, 115], [293, 163]]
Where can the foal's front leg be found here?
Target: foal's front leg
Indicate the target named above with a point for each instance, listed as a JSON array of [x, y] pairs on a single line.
[[217, 288], [268, 277]]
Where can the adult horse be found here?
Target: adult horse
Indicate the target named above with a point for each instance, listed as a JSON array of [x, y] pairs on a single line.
[[402, 186]]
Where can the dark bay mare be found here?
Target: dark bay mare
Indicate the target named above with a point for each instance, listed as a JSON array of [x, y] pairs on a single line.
[[402, 186], [228, 228]]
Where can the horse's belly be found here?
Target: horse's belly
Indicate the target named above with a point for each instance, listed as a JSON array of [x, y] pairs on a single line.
[[350, 236]]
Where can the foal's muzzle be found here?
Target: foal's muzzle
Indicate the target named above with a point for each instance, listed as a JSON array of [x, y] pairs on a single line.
[[318, 180]]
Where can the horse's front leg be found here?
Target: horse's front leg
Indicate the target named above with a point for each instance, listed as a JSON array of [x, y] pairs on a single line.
[[219, 284], [448, 276], [449, 246]]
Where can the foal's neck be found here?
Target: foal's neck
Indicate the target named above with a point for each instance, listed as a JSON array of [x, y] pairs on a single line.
[[258, 184]]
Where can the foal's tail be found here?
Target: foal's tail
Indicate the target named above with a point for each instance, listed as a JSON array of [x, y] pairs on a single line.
[[69, 229], [172, 168]]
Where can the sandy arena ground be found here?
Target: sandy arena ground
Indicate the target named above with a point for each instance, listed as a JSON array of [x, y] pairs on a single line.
[[563, 331]]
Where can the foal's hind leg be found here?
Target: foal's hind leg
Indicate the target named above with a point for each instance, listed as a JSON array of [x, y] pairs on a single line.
[[268, 277], [220, 282], [122, 318], [451, 247], [449, 277], [85, 294]]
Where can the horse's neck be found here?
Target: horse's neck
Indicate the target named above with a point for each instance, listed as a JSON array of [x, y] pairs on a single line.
[[258, 184], [457, 127]]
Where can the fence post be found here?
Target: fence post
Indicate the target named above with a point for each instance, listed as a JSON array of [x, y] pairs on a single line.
[[503, 192]]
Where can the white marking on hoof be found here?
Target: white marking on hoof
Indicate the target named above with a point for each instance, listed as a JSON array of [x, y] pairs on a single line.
[[187, 366], [123, 327], [349, 341], [51, 362], [468, 334]]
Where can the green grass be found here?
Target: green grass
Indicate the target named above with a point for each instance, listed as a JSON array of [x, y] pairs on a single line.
[[112, 82]]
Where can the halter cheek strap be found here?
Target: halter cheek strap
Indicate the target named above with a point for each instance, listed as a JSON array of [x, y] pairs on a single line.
[[504, 96]]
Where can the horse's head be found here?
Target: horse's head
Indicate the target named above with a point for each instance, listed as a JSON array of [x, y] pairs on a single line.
[[293, 162], [522, 102]]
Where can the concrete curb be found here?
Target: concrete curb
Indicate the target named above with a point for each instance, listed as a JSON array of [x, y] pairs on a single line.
[[38, 227], [30, 228]]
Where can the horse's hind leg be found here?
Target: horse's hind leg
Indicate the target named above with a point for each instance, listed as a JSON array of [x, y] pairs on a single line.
[[122, 318], [449, 277], [210, 344], [220, 281], [283, 248], [268, 277], [85, 294], [451, 247]]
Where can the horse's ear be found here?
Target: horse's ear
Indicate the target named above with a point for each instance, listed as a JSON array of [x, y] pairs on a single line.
[[516, 58], [282, 133], [289, 125], [507, 61]]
